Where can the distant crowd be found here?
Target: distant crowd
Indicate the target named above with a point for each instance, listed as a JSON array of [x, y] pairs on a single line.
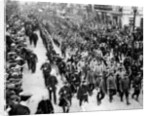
[[111, 63]]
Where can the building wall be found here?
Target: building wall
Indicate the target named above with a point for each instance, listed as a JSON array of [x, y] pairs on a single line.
[[128, 14]]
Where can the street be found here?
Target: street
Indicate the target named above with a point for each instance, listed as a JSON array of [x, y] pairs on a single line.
[[34, 84]]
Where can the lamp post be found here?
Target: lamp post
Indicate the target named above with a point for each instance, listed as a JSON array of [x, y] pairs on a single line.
[[120, 19], [134, 17]]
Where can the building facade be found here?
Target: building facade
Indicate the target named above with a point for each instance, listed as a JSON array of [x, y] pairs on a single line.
[[128, 16], [121, 15]]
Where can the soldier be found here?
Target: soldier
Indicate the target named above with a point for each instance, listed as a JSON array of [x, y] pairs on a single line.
[[127, 63], [118, 78], [137, 87], [134, 73], [82, 93], [91, 81], [51, 83], [43, 36], [119, 74], [105, 77], [26, 54], [62, 67], [33, 38], [34, 60], [76, 80], [111, 84], [46, 68], [45, 107], [17, 108], [28, 28], [65, 97], [101, 92], [124, 88]]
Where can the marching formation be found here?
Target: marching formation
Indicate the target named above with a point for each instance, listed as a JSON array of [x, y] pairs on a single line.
[[110, 63]]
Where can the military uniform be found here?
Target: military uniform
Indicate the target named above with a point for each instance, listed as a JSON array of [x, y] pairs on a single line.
[[46, 68], [65, 98], [51, 82], [124, 88], [45, 107], [101, 92], [111, 84], [137, 87], [82, 94]]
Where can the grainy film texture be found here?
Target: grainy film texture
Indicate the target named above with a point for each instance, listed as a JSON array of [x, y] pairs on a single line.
[[62, 57]]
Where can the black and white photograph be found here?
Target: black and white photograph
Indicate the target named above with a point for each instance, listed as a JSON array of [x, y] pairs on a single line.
[[69, 57]]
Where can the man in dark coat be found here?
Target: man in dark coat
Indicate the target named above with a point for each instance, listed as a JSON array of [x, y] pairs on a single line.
[[134, 70], [111, 84], [137, 87], [44, 38], [28, 28], [127, 63], [76, 80], [17, 108], [65, 97], [34, 60], [82, 93], [26, 54], [62, 67], [101, 92], [91, 81], [124, 88], [33, 39], [118, 78], [45, 107], [51, 83], [46, 68]]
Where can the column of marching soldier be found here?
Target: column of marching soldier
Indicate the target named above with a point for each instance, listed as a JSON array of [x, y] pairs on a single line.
[[117, 72]]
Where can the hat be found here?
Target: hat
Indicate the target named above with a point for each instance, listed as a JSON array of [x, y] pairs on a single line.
[[15, 74], [18, 58], [15, 97], [10, 86], [13, 44]]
